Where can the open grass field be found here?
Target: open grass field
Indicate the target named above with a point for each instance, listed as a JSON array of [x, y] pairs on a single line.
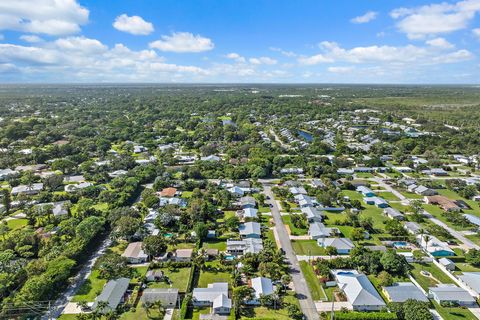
[[90, 288], [313, 283], [307, 247], [179, 278], [426, 282]]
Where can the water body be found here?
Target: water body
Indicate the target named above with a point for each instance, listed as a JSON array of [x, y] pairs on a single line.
[[305, 135]]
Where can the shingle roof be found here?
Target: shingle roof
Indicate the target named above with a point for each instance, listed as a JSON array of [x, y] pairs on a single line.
[[402, 291], [358, 289], [113, 292]]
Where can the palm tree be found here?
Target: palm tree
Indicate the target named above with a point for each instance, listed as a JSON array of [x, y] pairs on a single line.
[[147, 305], [160, 309], [83, 305]]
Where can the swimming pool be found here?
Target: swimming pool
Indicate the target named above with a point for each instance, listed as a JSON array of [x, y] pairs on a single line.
[[400, 244]]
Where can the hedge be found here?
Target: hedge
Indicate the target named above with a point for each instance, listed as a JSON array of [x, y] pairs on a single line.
[[365, 316]]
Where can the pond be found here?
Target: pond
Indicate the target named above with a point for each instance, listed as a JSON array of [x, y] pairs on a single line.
[[305, 135]]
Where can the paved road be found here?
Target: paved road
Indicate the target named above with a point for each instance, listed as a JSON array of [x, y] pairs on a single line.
[[67, 295], [467, 243], [277, 139], [303, 293]]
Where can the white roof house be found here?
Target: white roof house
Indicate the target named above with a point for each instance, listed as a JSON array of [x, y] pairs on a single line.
[[250, 213], [393, 214], [25, 189], [451, 293], [318, 230], [359, 290], [168, 297], [297, 190], [76, 187], [262, 287], [312, 214], [5, 173], [113, 293], [215, 295], [343, 245], [472, 280], [402, 291], [134, 253], [212, 158], [434, 246]]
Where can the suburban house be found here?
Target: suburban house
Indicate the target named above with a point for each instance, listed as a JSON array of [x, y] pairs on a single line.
[[472, 219], [447, 263], [343, 245], [359, 291], [402, 291], [248, 245], [434, 246], [393, 214], [297, 190], [211, 157], [312, 214], [412, 227], [134, 253], [376, 201], [248, 202], [318, 230], [154, 275], [424, 191], [32, 189], [345, 171], [250, 230], [236, 191], [367, 192], [183, 255], [250, 213], [451, 293], [113, 293], [76, 187], [444, 203], [262, 287], [168, 192], [472, 280], [7, 173], [438, 172], [215, 296], [168, 297], [59, 208]]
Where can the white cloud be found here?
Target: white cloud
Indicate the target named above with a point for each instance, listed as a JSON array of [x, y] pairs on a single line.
[[367, 17], [332, 52], [284, 52], [262, 60], [134, 25], [476, 32], [236, 57], [31, 38], [183, 42], [53, 17], [340, 69], [440, 43], [81, 44], [434, 19]]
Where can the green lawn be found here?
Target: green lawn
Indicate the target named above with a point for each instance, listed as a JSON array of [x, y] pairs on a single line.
[[411, 195], [90, 288], [268, 313], [312, 281], [454, 313], [376, 214], [221, 245], [141, 313], [307, 247], [207, 277], [353, 195], [388, 196], [364, 175], [179, 278], [294, 230], [426, 282], [14, 224]]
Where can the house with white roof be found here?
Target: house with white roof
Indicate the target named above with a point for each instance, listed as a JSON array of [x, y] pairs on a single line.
[[451, 293], [297, 190], [312, 214], [250, 213], [367, 192], [215, 296], [240, 247], [393, 214], [403, 291], [359, 291], [113, 293], [434, 246], [262, 287], [33, 189], [134, 253], [317, 230], [376, 201], [472, 280]]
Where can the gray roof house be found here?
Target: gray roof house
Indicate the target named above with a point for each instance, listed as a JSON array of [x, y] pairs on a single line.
[[318, 230], [402, 291], [393, 214], [451, 293], [424, 191], [168, 297], [472, 280], [215, 295], [250, 213], [29, 190], [359, 290], [113, 293], [472, 219], [248, 202], [312, 214], [343, 245], [297, 190], [447, 263], [412, 227], [250, 230]]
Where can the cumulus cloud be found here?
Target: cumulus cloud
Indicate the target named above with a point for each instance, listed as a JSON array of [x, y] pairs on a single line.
[[476, 32], [367, 17], [332, 52], [133, 25], [31, 38], [440, 43], [52, 17], [340, 69], [236, 57], [284, 52], [183, 42], [435, 19], [262, 60]]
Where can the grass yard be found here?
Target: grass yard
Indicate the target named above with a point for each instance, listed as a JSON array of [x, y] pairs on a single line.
[[207, 277], [454, 313], [364, 175], [307, 247], [179, 278], [90, 288], [141, 313], [353, 195], [221, 245], [313, 283], [294, 230], [426, 282], [376, 214], [411, 195], [388, 196], [14, 224], [268, 313]]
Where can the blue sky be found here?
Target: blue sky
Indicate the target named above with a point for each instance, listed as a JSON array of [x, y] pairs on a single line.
[[240, 41]]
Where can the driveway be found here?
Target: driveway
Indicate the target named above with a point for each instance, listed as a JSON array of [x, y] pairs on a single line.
[[301, 289]]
